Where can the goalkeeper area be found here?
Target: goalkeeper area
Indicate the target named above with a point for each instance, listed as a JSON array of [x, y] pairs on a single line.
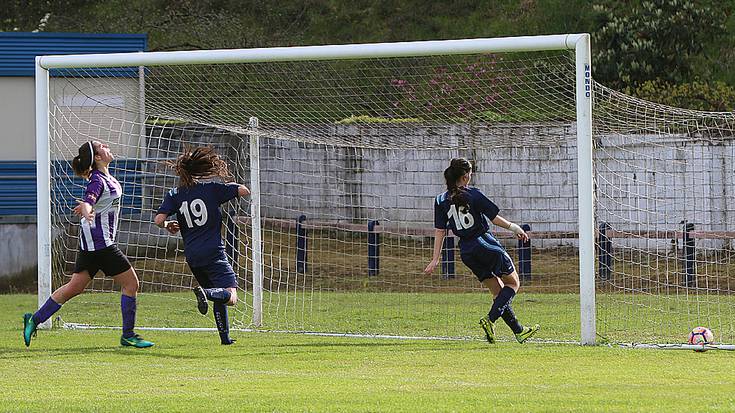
[[630, 204]]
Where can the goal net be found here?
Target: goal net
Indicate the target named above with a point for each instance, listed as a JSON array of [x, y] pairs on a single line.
[[345, 157], [664, 187]]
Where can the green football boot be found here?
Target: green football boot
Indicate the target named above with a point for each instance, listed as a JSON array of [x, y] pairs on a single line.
[[135, 341], [29, 328], [527, 333], [489, 328]]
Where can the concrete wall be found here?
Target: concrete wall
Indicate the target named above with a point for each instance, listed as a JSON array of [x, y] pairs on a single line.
[[643, 184], [17, 249]]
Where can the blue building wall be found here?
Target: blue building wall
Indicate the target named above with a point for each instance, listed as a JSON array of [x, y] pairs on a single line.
[[18, 51]]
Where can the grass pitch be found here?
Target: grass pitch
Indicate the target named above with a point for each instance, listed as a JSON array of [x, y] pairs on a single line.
[[67, 370]]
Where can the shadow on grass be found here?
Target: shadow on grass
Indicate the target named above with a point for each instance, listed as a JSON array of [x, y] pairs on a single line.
[[30, 353], [324, 344], [398, 345]]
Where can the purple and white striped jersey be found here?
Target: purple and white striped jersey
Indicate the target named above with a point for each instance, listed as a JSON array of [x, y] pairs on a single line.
[[103, 193]]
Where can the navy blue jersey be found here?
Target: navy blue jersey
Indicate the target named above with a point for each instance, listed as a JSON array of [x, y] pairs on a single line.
[[466, 222], [200, 218]]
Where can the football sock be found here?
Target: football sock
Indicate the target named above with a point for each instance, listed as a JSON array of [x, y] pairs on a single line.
[[223, 324], [510, 319], [501, 303], [127, 306], [46, 311], [217, 295]]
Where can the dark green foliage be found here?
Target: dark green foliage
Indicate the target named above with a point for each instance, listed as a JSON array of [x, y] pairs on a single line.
[[635, 41], [655, 39], [714, 96], [190, 24]]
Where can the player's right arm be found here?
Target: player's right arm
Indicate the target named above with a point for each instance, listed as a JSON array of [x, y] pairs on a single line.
[[440, 231], [439, 235], [168, 207], [92, 193]]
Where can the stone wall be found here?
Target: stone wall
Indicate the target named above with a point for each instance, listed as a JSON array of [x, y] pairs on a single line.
[[643, 183]]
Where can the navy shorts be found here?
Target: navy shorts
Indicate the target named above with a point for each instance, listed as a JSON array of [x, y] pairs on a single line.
[[110, 260], [486, 257], [216, 274]]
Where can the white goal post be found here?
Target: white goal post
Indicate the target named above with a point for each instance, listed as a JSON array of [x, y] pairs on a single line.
[[579, 43]]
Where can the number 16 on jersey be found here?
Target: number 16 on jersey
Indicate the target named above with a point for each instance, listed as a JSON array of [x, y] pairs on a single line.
[[462, 219]]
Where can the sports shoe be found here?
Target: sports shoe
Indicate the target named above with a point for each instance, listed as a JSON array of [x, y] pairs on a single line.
[[527, 333], [135, 341], [489, 328], [29, 328], [202, 303], [227, 343]]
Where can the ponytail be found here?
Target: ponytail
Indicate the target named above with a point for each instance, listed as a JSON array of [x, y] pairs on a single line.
[[197, 163], [458, 167], [83, 163]]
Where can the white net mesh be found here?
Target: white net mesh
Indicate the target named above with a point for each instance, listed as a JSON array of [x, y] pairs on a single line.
[[351, 155], [664, 204]]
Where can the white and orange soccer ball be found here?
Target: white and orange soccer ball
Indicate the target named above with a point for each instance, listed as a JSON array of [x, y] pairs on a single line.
[[701, 336]]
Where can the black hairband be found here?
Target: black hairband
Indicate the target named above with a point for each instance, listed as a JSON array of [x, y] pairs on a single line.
[[91, 151]]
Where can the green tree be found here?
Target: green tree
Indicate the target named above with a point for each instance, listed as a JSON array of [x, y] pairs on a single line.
[[34, 15], [655, 39]]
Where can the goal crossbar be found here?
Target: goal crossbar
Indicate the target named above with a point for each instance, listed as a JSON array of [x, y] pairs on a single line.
[[330, 52]]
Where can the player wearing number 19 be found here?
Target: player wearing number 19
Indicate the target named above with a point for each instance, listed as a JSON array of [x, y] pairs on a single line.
[[196, 202], [464, 210]]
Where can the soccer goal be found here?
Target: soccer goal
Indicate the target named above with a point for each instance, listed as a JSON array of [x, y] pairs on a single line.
[[344, 146]]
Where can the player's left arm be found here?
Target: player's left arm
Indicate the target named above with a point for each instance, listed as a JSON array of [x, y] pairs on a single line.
[[231, 191], [513, 227], [490, 210]]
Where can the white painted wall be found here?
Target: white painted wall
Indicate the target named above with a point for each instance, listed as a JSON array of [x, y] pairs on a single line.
[[17, 119]]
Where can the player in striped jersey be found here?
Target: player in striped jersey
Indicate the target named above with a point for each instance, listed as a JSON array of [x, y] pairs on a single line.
[[196, 203], [466, 211], [100, 213]]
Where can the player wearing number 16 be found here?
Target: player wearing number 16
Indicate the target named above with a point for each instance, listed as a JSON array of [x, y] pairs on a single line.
[[196, 203], [465, 210]]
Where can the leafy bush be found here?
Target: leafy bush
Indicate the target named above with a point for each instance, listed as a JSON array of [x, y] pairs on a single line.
[[656, 39], [716, 96], [374, 119]]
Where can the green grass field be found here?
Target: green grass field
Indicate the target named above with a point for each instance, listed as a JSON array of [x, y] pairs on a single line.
[[621, 318], [68, 370]]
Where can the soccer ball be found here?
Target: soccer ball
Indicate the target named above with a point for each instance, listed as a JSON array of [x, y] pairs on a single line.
[[701, 336]]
